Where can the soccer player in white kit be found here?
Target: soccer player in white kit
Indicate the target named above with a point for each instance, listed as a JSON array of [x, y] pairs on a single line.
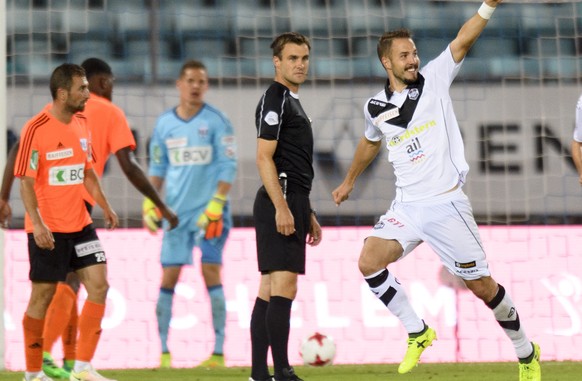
[[577, 140], [414, 115]]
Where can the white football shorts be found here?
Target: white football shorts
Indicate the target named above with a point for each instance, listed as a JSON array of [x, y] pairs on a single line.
[[446, 224]]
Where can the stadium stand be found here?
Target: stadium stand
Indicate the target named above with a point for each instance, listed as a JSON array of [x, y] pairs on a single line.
[[538, 40]]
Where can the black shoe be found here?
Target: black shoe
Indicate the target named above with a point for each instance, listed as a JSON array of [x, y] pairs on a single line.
[[288, 374]]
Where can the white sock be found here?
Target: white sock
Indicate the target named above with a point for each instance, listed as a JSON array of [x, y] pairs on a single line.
[[506, 314], [81, 366], [387, 288]]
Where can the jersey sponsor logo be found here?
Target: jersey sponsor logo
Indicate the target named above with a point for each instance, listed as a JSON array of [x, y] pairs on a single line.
[[84, 144], [390, 114], [191, 156], [34, 160], [465, 265], [272, 118], [88, 248], [415, 151], [61, 154], [411, 133], [176, 142], [67, 175]]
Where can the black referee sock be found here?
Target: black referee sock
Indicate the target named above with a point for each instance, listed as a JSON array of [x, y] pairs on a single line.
[[278, 326], [259, 340]]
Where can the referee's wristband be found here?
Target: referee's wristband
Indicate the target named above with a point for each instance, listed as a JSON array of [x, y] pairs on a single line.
[[486, 11]]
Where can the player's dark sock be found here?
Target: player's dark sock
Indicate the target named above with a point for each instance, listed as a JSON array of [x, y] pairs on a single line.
[[259, 340], [278, 325]]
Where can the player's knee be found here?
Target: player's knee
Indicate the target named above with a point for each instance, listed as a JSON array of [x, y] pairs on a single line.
[[98, 291], [484, 288], [368, 263]]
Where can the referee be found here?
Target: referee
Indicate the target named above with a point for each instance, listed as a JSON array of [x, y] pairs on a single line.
[[284, 219]]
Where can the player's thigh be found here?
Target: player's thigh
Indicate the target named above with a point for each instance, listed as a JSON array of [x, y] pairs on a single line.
[[392, 237], [277, 252], [177, 246], [378, 253], [212, 249], [87, 249], [454, 235], [49, 265]]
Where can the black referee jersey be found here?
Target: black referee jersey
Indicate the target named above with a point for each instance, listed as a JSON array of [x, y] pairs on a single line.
[[280, 117]]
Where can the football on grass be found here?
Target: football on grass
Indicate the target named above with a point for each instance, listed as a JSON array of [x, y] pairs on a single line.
[[317, 350]]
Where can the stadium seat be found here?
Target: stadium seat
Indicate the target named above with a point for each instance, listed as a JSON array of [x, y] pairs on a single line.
[[82, 47], [259, 22], [93, 23], [254, 46]]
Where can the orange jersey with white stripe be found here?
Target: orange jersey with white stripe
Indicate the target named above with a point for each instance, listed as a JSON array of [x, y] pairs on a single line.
[[109, 130], [56, 156]]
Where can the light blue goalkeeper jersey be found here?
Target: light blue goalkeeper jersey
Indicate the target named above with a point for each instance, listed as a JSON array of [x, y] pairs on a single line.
[[193, 156]]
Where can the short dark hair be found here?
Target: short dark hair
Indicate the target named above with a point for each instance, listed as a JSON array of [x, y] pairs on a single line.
[[192, 64], [62, 77], [385, 41], [94, 66], [288, 38]]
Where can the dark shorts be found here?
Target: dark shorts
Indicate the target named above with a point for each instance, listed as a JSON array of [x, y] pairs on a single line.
[[275, 251], [73, 251]]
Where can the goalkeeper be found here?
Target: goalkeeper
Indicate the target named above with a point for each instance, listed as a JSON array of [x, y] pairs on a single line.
[[193, 151]]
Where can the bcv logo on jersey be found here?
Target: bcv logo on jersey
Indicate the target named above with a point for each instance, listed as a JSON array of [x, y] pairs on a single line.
[[191, 155], [67, 174]]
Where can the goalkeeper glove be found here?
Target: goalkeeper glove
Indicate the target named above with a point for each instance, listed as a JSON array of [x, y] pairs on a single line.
[[152, 217], [211, 220]]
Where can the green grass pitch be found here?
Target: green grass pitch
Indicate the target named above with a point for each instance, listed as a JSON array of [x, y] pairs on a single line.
[[551, 371]]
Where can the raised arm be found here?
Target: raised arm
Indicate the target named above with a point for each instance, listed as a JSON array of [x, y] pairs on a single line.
[[471, 30], [366, 151]]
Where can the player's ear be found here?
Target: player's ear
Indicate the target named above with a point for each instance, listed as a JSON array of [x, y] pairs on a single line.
[[386, 63]]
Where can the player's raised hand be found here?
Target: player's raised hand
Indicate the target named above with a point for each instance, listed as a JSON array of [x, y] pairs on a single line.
[[211, 220]]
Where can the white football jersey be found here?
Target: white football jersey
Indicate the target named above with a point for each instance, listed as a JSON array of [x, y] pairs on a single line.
[[423, 137], [578, 129]]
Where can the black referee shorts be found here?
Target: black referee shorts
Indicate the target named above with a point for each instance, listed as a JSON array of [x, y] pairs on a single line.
[[73, 251], [276, 252]]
